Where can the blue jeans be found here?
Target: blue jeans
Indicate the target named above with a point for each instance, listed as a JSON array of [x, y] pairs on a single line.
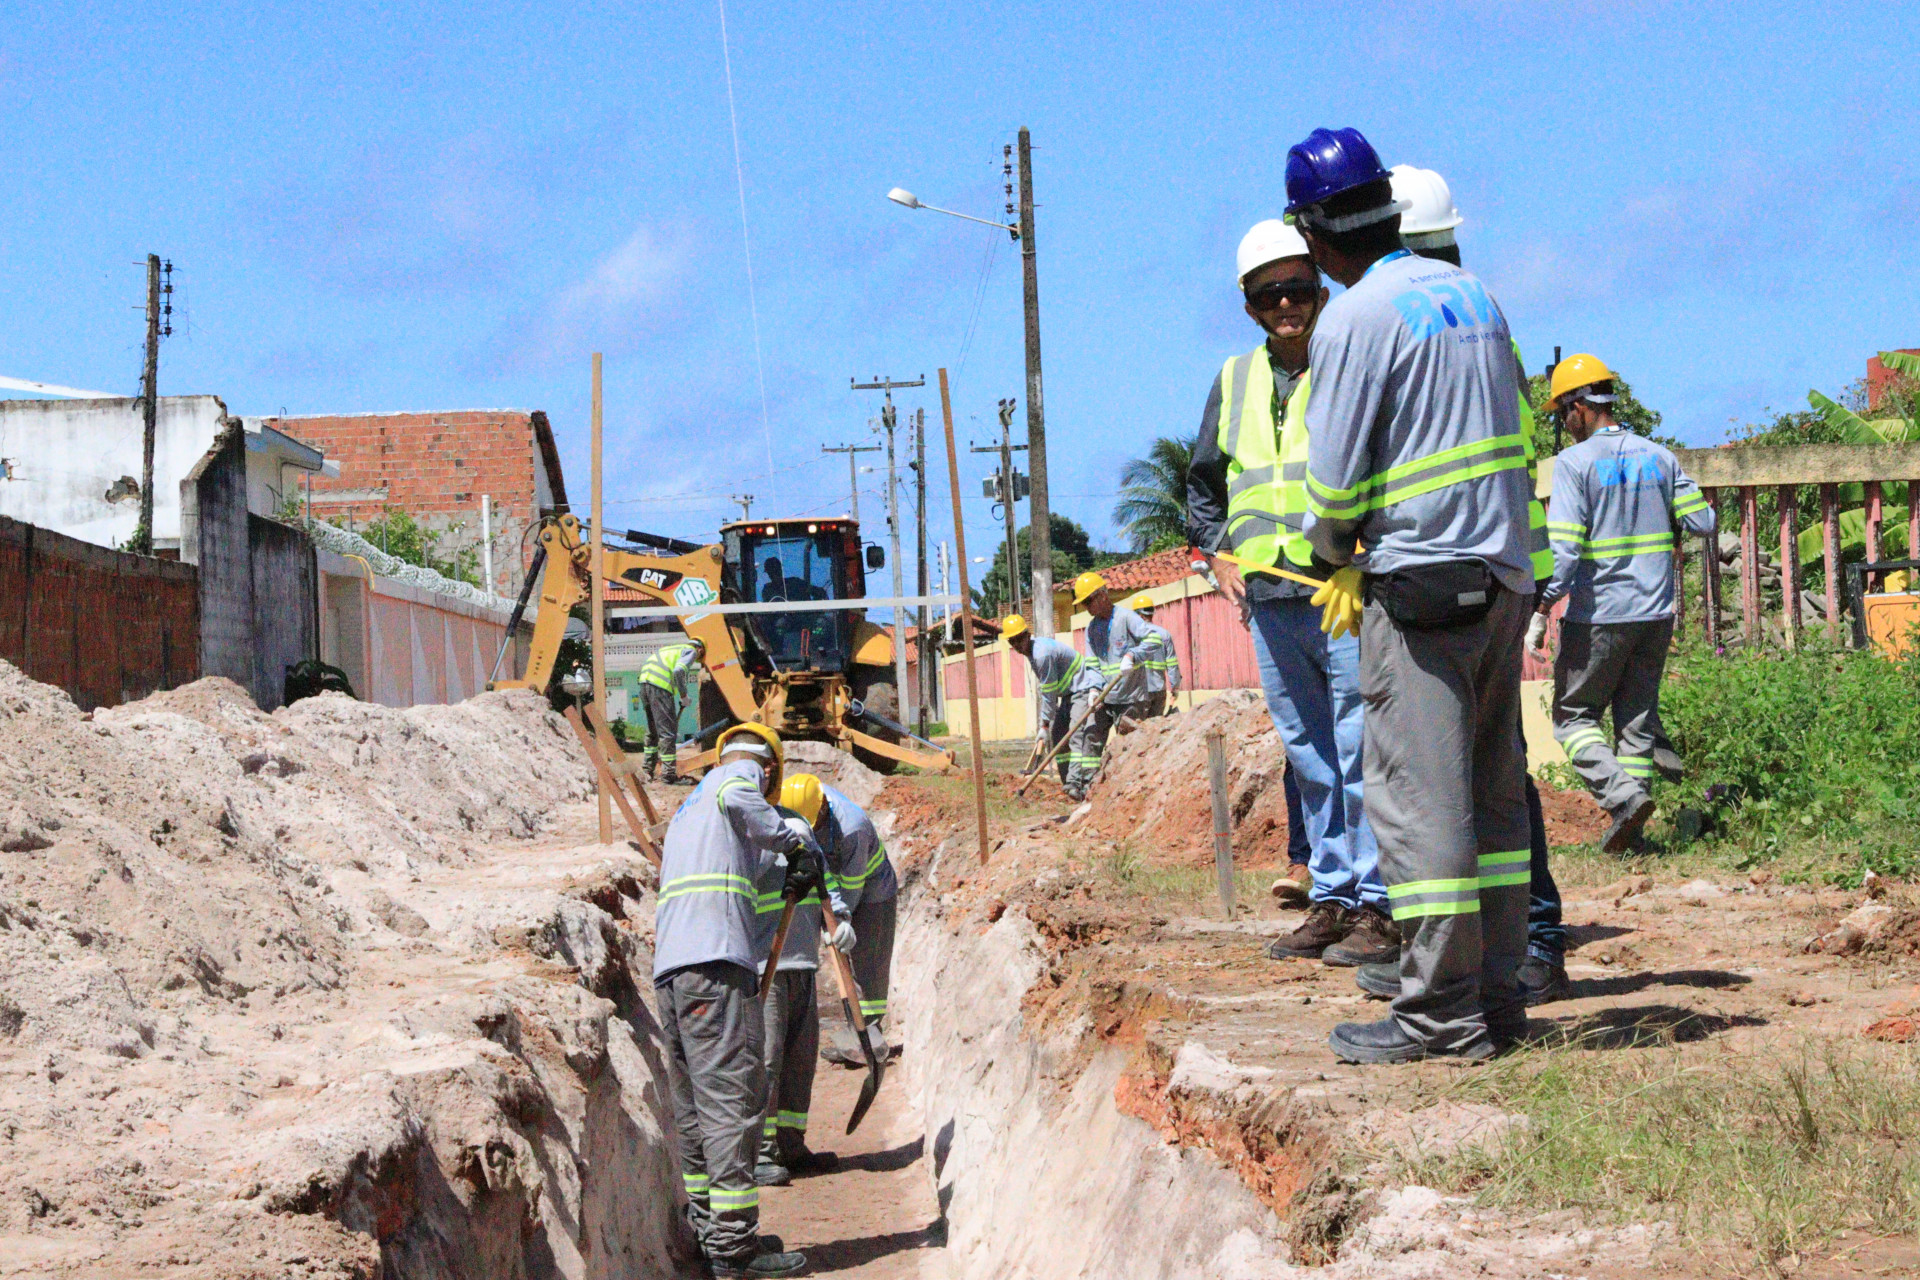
[[1299, 848], [1546, 936], [1312, 686]]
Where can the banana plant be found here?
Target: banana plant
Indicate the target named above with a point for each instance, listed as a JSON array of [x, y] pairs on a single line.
[[1854, 429]]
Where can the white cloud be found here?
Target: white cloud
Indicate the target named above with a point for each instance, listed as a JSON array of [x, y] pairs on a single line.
[[631, 292]]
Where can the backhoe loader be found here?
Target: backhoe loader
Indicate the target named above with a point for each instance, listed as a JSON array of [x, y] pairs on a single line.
[[825, 676]]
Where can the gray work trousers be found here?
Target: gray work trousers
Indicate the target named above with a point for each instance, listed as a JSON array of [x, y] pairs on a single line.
[[1445, 786], [710, 1014], [1153, 704], [663, 725], [792, 1044], [1611, 666], [872, 960], [1089, 742], [1066, 710]]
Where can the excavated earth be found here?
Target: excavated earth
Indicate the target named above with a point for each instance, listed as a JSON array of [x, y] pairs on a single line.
[[351, 991]]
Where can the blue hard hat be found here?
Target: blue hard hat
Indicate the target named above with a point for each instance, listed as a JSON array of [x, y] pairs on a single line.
[[1328, 162]]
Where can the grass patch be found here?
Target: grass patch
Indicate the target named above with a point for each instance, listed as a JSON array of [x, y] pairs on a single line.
[[1127, 872], [1773, 1154]]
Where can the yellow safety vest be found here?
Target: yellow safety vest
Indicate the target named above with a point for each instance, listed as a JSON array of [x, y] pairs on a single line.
[[1266, 468]]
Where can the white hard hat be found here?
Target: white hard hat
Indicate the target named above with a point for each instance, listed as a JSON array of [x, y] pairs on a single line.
[[1429, 218], [1269, 241]]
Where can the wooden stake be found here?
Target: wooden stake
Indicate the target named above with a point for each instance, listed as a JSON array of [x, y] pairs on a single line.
[[610, 786], [1222, 819], [596, 569], [615, 752], [966, 621]]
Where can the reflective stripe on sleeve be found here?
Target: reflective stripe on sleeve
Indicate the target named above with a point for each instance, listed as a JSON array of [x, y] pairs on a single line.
[[1505, 868]]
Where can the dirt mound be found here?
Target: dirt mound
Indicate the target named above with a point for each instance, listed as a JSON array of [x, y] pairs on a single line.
[[1154, 790], [253, 1022]]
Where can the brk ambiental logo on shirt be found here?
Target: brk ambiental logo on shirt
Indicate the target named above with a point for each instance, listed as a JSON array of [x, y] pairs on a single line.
[[1448, 304]]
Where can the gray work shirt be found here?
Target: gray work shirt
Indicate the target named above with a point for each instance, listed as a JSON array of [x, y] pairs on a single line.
[[724, 844], [1055, 664], [1121, 634], [1163, 667], [1207, 486], [1617, 499], [802, 947], [1413, 429], [856, 860]]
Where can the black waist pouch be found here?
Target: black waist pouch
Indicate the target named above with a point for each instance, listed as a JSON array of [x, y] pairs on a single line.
[[1431, 597]]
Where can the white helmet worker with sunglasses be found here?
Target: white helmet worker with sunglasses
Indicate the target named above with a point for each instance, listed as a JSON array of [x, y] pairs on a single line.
[[1246, 493]]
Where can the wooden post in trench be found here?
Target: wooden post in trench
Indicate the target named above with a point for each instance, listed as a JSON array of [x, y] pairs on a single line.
[[966, 621]]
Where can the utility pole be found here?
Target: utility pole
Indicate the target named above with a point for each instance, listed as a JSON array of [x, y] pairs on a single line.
[[1006, 489], [888, 421], [149, 392], [1039, 531], [924, 694], [853, 470], [746, 504]]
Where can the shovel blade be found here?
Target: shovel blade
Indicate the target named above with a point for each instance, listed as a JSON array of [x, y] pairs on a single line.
[[875, 1071]]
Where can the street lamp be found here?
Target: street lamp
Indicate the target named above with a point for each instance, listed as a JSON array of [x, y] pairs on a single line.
[[1038, 520]]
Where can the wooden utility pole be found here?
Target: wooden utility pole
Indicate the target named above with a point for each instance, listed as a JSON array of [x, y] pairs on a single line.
[[966, 620], [923, 689], [597, 576], [1040, 532], [149, 408]]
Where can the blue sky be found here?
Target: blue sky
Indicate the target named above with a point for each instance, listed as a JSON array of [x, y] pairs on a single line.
[[436, 206]]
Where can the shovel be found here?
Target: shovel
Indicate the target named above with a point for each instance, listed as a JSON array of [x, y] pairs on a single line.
[[850, 1005], [779, 945]]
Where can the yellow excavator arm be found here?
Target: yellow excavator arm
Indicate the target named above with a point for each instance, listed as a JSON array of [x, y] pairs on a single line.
[[682, 582]]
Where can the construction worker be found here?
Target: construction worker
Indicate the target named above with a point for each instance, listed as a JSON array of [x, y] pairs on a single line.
[[1617, 502], [669, 680], [1056, 664], [1163, 668], [1427, 226], [723, 845], [792, 1035], [1244, 489], [857, 862], [1415, 451], [1118, 645]]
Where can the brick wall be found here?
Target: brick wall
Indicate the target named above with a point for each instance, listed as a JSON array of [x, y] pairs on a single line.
[[435, 466], [106, 626], [1880, 378]]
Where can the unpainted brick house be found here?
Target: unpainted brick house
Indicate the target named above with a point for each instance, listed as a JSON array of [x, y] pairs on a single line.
[[438, 467]]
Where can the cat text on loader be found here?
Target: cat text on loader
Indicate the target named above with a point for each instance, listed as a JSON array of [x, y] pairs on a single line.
[[824, 675]]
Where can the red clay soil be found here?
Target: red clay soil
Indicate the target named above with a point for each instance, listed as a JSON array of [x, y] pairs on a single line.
[[1153, 790]]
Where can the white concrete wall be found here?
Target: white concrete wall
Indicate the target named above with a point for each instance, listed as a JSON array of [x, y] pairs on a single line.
[[66, 454]]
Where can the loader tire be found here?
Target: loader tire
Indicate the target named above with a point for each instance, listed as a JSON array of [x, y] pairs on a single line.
[[880, 696]]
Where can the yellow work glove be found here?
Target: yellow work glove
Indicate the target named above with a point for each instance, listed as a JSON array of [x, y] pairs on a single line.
[[1339, 601]]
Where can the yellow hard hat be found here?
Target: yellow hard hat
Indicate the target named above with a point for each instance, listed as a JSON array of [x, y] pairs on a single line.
[[1139, 602], [1574, 372], [1012, 625], [766, 736], [802, 794], [1086, 584]]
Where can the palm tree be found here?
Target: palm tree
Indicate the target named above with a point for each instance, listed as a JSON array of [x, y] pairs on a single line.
[[1152, 510]]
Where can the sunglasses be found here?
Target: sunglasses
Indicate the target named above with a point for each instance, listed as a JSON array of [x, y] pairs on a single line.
[[1269, 296]]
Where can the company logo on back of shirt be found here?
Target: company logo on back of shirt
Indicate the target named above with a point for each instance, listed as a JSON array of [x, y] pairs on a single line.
[[1633, 472], [1451, 302]]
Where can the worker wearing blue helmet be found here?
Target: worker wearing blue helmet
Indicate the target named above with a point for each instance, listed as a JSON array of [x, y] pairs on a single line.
[[1416, 455]]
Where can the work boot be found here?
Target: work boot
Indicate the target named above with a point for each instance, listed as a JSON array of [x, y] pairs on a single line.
[[1626, 826], [1667, 763], [1544, 981], [1383, 1042], [842, 1055], [1290, 890], [799, 1158], [769, 1174], [672, 778], [653, 766], [1373, 938], [1507, 1035], [1325, 925], [758, 1265], [1381, 981]]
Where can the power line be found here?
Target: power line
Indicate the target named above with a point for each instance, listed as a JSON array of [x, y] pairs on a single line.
[[746, 244]]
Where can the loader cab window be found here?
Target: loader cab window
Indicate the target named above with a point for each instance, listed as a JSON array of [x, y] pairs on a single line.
[[789, 566]]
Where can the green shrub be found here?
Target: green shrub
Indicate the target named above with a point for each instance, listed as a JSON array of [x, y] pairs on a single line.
[[1787, 747]]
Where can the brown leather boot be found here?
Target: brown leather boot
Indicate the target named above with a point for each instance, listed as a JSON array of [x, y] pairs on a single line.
[[1290, 890], [1373, 939], [1325, 925]]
